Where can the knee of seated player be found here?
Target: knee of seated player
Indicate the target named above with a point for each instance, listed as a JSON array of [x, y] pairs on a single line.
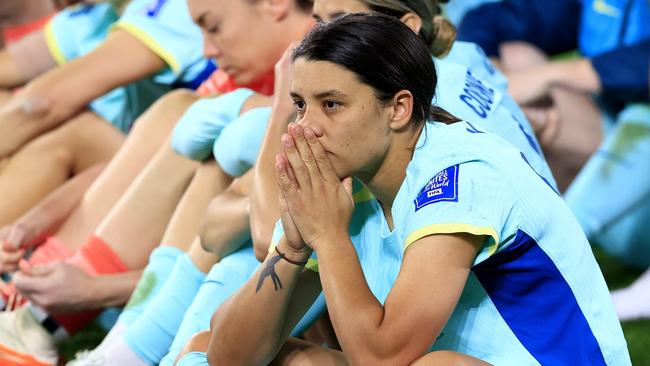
[[164, 113], [54, 147], [448, 358], [197, 343]]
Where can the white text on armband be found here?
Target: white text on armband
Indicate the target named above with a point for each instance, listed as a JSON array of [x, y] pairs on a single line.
[[477, 96]]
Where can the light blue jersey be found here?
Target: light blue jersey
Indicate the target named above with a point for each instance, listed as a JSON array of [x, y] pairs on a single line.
[[78, 30], [472, 56], [535, 294], [167, 28], [460, 92]]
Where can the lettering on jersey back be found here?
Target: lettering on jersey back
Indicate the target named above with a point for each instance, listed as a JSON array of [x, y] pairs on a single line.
[[154, 8], [442, 187], [477, 96]]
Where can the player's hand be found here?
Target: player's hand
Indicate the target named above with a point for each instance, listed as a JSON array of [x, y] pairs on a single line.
[[57, 287], [319, 203], [530, 85], [15, 239], [283, 79]]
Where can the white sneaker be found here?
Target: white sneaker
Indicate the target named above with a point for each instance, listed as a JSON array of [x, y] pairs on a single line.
[[24, 341], [87, 358], [633, 302]]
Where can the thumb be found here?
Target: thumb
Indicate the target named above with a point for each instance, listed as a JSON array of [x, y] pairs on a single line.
[[39, 270]]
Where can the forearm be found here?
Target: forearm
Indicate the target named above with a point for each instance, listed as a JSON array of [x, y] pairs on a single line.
[[355, 312], [576, 74], [10, 75], [62, 92], [112, 290], [265, 209], [57, 206], [260, 308]]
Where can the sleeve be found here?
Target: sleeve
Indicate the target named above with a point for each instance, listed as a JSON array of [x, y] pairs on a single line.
[[202, 123], [550, 25], [77, 27], [468, 198], [237, 146], [166, 27], [624, 72]]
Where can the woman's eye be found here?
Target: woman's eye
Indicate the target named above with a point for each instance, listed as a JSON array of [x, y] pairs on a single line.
[[331, 105], [212, 30], [299, 104]]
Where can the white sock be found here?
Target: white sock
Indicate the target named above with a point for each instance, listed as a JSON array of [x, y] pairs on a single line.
[[119, 354], [633, 302], [112, 335]]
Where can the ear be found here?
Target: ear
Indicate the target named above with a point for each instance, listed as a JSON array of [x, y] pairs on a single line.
[[278, 9], [402, 109], [412, 21]]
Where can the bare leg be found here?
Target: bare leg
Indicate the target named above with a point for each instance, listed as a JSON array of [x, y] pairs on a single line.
[[575, 130], [48, 161], [147, 135], [298, 352], [5, 95], [578, 137], [135, 225], [198, 343], [183, 227], [448, 358]]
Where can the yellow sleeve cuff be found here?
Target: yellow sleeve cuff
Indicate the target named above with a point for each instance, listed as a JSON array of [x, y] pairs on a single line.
[[150, 42], [455, 229], [53, 45]]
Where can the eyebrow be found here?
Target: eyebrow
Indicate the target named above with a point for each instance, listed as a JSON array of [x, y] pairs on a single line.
[[200, 20], [337, 14], [321, 95]]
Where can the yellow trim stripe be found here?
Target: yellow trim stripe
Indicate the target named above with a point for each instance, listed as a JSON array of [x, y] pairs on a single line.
[[53, 45], [145, 38], [453, 229], [312, 265], [363, 195]]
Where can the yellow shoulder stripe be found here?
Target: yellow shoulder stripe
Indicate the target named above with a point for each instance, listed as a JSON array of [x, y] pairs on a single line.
[[150, 42], [53, 45], [454, 229]]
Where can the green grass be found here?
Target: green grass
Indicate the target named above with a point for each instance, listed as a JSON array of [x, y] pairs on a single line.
[[637, 333], [616, 274]]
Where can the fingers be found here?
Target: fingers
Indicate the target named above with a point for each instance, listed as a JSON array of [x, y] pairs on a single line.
[[287, 184], [10, 257], [304, 149], [26, 284], [300, 170], [320, 156]]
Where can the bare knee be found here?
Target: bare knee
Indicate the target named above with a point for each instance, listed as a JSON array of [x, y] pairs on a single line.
[[198, 343], [164, 113], [448, 358], [53, 147]]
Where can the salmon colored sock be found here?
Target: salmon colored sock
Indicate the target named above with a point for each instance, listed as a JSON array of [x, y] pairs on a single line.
[[97, 258], [52, 250]]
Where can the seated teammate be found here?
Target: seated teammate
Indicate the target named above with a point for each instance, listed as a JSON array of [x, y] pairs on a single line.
[[471, 238], [116, 75]]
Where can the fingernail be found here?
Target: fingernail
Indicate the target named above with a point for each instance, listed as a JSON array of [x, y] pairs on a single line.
[[287, 141], [298, 130], [309, 133]]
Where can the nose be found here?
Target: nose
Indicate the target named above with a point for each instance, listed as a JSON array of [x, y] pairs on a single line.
[[210, 49], [311, 120]]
